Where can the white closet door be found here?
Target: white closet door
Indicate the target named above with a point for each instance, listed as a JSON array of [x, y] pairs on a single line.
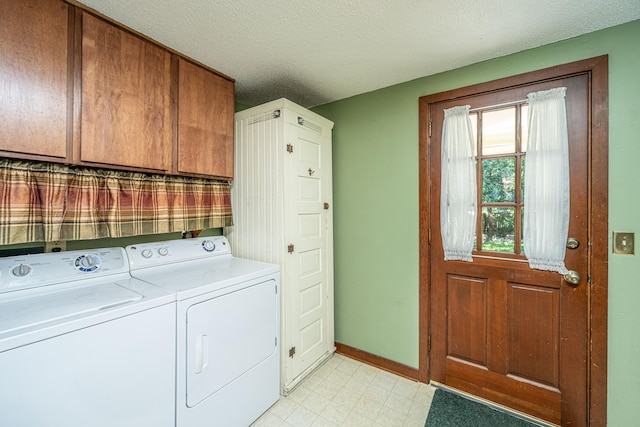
[[308, 178]]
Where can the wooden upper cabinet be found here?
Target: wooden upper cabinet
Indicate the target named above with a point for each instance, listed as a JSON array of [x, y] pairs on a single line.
[[35, 102], [205, 122], [78, 89], [126, 102]]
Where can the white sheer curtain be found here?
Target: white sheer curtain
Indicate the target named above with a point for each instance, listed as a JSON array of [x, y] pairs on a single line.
[[458, 200], [546, 190]]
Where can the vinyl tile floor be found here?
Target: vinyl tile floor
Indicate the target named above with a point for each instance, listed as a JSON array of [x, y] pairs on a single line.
[[345, 392]]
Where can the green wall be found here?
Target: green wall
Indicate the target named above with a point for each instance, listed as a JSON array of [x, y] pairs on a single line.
[[375, 166]]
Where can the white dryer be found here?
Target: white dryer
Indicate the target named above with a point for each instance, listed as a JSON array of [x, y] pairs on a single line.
[[84, 344], [228, 326]]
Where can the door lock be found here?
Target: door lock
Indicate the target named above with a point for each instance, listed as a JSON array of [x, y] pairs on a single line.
[[573, 243]]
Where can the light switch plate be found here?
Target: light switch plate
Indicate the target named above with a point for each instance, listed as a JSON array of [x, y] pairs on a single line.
[[624, 243]]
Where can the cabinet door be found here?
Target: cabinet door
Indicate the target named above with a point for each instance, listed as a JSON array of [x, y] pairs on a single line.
[[34, 78], [126, 83], [205, 122], [308, 270]]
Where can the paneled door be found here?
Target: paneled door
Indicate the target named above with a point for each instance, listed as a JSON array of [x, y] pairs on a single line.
[[500, 330], [308, 262]]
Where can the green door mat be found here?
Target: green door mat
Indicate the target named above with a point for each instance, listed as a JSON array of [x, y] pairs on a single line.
[[448, 409]]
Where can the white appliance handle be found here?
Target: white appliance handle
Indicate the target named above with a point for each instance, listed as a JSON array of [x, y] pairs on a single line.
[[202, 352]]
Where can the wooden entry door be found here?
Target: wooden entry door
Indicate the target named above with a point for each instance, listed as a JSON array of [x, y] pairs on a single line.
[[498, 329]]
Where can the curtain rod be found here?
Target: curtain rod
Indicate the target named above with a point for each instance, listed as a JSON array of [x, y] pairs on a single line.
[[505, 104]]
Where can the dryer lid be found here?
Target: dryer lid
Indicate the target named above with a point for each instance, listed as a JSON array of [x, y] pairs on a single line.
[[192, 278]]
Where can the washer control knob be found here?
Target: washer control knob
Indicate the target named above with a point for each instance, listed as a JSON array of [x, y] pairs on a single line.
[[164, 251], [208, 245], [147, 253], [88, 262], [21, 270]]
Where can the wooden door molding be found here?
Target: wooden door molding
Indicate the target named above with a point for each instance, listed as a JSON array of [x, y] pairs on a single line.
[[597, 69]]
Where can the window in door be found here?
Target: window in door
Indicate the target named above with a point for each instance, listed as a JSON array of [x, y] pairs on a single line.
[[501, 144]]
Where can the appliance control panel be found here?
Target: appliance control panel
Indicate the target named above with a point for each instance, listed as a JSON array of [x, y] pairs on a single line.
[[30, 271], [167, 252]]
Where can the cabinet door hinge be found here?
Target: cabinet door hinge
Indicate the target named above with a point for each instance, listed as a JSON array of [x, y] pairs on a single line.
[[289, 148], [292, 351], [290, 248]]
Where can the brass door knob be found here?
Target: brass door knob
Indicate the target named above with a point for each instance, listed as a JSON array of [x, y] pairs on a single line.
[[572, 277]]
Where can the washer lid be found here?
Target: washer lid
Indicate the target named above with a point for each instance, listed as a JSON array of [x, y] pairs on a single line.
[[52, 307]]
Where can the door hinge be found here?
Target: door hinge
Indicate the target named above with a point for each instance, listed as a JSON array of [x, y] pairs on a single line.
[[326, 205], [428, 343], [292, 351], [429, 236], [290, 248], [429, 130], [289, 148]]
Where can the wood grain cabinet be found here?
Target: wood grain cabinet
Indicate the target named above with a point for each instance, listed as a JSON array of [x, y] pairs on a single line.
[[205, 122], [34, 79], [79, 89], [126, 99]]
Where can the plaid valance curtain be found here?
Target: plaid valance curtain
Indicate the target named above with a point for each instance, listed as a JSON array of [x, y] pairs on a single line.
[[49, 202]]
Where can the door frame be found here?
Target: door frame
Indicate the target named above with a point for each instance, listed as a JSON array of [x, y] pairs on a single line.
[[597, 214]]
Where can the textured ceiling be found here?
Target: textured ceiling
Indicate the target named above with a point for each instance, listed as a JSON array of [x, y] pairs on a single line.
[[314, 52]]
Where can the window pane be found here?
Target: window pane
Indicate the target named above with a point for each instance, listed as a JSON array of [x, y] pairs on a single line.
[[499, 132], [498, 180], [525, 127], [498, 228]]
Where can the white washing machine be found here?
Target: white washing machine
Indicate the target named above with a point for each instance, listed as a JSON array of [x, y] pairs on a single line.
[[228, 326], [83, 344]]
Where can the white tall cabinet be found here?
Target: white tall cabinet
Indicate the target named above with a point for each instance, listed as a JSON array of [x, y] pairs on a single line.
[[282, 213]]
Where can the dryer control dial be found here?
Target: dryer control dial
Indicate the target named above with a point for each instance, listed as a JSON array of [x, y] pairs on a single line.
[[164, 251], [88, 262], [209, 245], [146, 253], [21, 270]]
